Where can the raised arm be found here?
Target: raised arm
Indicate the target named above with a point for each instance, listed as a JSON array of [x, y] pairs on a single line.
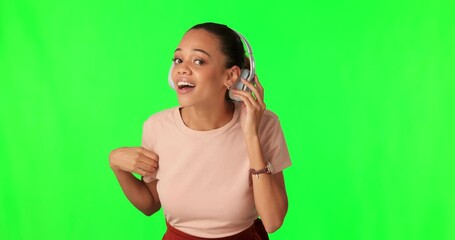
[[269, 190]]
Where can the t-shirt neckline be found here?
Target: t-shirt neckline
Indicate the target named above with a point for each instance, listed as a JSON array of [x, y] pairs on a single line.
[[209, 133]]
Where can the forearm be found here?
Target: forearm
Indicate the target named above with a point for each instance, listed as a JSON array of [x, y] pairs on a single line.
[[137, 192], [270, 198]]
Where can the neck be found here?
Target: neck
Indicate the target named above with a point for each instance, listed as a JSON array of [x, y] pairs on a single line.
[[207, 117]]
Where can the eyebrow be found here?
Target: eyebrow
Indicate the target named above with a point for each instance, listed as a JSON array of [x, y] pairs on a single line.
[[195, 50]]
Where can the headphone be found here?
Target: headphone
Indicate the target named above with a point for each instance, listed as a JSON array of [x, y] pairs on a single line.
[[247, 74]]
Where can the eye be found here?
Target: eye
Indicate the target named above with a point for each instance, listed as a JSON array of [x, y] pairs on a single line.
[[199, 62], [177, 60]]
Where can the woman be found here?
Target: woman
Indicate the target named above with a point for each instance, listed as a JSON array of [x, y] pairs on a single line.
[[213, 164]]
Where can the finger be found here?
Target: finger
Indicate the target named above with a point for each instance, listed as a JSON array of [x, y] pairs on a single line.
[[148, 179], [258, 84], [255, 82], [257, 94], [144, 169], [149, 153], [142, 172], [260, 96], [249, 95], [249, 84], [260, 89], [147, 161], [148, 157], [246, 98]]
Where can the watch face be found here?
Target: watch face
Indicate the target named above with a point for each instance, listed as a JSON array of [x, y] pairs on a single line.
[[269, 168]]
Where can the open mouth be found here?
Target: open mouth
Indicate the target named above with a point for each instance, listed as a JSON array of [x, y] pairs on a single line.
[[185, 85]]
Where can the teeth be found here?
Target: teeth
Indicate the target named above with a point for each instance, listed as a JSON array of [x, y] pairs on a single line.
[[184, 84]]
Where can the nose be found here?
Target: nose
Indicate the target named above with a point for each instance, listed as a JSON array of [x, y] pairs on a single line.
[[182, 68]]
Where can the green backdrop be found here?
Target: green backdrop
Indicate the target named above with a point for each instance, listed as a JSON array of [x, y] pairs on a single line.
[[364, 91]]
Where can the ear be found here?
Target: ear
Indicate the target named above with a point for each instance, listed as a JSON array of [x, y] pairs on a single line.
[[233, 73]]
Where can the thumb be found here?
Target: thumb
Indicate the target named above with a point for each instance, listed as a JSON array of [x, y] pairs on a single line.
[[149, 179]]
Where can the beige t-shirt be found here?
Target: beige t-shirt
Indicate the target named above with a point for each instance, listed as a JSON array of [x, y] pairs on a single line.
[[203, 177]]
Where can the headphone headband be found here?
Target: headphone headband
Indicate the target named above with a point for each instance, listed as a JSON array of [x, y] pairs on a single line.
[[250, 54]]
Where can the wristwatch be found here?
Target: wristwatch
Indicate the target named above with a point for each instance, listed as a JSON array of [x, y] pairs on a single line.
[[267, 169]]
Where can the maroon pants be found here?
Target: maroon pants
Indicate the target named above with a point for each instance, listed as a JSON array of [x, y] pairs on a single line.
[[255, 232]]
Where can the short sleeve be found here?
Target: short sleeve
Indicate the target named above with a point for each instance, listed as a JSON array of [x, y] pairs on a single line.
[[273, 143], [147, 144]]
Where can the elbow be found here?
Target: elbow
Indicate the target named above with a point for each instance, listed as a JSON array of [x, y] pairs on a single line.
[[274, 222], [150, 210], [147, 213], [271, 227]]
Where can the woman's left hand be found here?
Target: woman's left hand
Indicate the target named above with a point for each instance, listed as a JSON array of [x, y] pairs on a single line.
[[253, 106]]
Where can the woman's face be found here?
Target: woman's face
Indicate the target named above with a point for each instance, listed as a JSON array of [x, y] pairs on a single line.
[[199, 72]]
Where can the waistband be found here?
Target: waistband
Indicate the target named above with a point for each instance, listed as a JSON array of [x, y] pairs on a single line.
[[255, 232]]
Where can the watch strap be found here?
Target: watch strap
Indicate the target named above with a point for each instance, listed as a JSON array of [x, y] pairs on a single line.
[[267, 169]]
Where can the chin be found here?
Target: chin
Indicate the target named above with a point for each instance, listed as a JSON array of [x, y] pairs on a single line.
[[193, 101], [185, 102]]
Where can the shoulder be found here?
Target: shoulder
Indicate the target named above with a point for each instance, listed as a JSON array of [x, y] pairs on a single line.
[[270, 125], [269, 119], [164, 116], [269, 115]]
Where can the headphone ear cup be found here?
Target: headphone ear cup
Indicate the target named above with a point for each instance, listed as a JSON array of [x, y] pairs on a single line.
[[245, 74], [169, 78], [239, 85]]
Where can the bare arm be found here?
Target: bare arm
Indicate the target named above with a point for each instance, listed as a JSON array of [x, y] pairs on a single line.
[[269, 191], [125, 161]]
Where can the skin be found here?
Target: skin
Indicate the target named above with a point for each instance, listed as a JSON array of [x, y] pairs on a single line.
[[199, 60]]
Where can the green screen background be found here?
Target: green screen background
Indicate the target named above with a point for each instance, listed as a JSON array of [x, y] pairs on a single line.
[[364, 91]]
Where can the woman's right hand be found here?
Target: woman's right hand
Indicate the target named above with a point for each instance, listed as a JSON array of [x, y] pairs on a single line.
[[135, 160]]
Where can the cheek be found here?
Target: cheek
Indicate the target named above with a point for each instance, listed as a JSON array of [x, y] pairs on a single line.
[[206, 77], [217, 77]]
